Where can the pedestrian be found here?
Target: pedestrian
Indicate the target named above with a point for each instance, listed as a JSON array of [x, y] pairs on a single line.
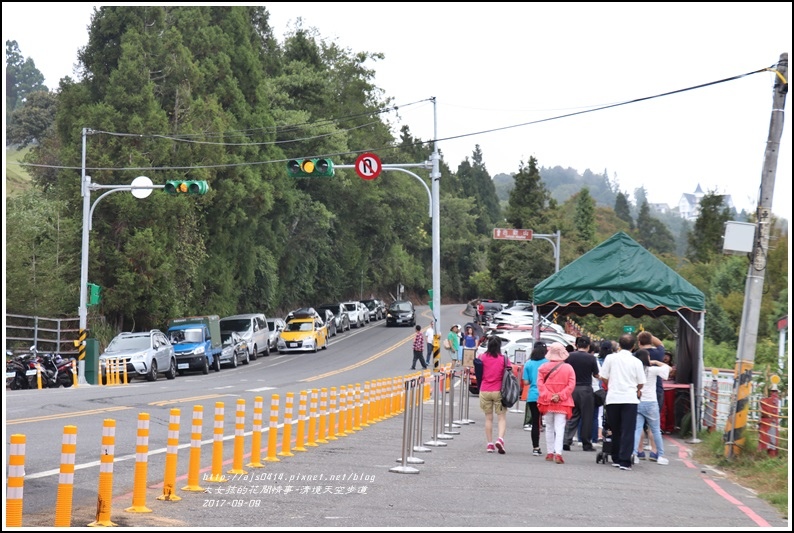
[[453, 339], [556, 382], [648, 409], [419, 341], [480, 312], [585, 368], [624, 378], [430, 334], [604, 349], [647, 341], [469, 338], [530, 376], [493, 368]]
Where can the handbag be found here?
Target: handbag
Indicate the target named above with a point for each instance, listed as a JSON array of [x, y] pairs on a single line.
[[447, 345], [478, 368], [511, 390]]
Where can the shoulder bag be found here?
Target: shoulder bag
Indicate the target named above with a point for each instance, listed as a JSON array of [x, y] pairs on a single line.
[[511, 390]]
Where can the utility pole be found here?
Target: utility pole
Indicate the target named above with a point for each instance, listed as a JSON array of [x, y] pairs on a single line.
[[734, 437]]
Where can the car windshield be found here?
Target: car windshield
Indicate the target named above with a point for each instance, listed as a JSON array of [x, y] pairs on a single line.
[[271, 325], [226, 337], [370, 304], [401, 306], [186, 335], [324, 309], [350, 307], [238, 324], [128, 343], [299, 326]]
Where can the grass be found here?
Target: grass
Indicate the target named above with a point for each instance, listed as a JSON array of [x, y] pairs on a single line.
[[767, 476], [17, 178]]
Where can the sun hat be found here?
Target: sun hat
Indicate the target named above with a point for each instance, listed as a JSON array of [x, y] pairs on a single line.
[[556, 352]]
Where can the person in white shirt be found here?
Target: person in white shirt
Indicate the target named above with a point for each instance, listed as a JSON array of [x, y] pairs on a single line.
[[648, 409], [624, 377], [429, 334]]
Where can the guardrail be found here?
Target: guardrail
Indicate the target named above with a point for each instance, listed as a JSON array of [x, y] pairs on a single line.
[[49, 335]]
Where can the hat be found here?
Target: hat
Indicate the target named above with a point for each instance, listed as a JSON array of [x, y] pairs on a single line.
[[557, 352], [454, 326]]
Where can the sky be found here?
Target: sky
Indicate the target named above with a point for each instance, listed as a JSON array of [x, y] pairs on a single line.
[[504, 74]]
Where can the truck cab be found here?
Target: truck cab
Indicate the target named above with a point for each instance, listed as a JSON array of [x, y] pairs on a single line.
[[197, 343]]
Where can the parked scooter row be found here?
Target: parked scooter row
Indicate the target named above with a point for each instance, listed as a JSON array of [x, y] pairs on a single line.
[[22, 371]]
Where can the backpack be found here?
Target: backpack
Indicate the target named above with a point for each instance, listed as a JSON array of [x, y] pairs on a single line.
[[478, 368]]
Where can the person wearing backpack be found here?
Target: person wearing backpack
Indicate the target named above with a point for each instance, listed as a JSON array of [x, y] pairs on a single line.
[[493, 368], [556, 382]]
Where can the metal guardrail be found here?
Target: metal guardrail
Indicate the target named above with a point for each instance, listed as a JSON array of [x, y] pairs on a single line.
[[49, 335]]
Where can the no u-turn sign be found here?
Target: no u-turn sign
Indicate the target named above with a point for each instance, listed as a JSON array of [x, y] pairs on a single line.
[[368, 166]]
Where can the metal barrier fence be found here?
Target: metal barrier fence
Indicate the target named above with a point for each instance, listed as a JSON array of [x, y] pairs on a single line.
[[49, 335]]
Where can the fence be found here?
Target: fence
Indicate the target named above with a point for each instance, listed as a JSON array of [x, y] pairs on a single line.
[[49, 335]]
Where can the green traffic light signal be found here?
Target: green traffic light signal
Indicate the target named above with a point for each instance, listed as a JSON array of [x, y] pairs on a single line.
[[186, 187], [310, 168]]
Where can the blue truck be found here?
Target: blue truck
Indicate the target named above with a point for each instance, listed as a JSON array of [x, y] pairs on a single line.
[[197, 343]]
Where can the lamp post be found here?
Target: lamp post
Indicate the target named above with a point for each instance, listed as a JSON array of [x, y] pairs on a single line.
[[141, 187]]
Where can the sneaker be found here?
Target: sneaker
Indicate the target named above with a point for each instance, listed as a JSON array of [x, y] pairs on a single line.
[[641, 455], [625, 468], [490, 448], [566, 447], [615, 464], [636, 460], [536, 452], [654, 457], [558, 459], [662, 461], [549, 456], [589, 448], [500, 445], [528, 427]]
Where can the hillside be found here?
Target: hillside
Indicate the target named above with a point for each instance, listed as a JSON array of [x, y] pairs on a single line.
[[17, 179]]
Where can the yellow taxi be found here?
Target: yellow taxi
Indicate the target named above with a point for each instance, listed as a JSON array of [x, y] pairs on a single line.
[[303, 334]]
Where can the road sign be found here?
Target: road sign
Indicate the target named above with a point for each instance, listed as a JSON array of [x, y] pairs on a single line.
[[368, 166], [628, 329], [512, 234]]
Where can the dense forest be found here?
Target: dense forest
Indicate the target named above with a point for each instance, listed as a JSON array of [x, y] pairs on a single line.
[[210, 93]]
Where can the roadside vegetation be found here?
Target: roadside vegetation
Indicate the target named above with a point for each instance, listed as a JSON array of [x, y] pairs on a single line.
[[17, 179]]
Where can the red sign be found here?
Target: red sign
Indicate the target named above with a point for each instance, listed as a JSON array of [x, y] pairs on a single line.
[[512, 234], [368, 166]]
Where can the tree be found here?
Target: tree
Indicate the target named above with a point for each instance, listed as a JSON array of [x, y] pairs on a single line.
[[705, 239], [584, 220], [30, 122], [22, 79], [623, 209], [652, 233]]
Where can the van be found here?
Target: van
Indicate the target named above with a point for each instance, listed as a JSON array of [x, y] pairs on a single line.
[[252, 327]]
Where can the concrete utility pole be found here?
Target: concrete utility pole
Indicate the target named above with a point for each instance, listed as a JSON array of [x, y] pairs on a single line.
[[743, 374]]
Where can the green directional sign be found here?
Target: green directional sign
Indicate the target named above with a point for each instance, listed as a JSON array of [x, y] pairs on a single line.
[[628, 329]]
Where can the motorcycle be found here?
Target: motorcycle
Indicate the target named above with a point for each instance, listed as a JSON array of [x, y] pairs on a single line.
[[19, 371], [55, 371]]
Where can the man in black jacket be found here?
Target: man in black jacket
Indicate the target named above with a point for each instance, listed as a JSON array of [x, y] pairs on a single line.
[[585, 367]]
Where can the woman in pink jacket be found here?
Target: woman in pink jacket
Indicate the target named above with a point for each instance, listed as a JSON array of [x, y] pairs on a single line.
[[556, 381]]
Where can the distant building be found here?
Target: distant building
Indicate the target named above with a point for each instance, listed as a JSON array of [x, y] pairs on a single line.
[[660, 208], [689, 204]]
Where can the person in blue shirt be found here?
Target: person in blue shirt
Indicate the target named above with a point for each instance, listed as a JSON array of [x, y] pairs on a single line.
[[530, 378]]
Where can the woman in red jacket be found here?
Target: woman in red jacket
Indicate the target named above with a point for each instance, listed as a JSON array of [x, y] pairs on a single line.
[[556, 381]]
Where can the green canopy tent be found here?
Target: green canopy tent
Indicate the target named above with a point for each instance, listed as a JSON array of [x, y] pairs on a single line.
[[619, 277]]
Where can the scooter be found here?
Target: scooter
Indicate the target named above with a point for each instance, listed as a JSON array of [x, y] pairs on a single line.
[[19, 370]]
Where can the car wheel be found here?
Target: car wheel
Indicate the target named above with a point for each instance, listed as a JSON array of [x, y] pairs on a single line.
[[234, 358], [252, 356], [216, 362], [152, 375], [206, 368], [267, 350], [171, 374], [247, 358]]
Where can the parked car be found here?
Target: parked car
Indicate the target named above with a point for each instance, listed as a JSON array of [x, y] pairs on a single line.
[[147, 354], [253, 329], [357, 313], [330, 322], [235, 350], [303, 333], [340, 316], [275, 326], [401, 313], [376, 309]]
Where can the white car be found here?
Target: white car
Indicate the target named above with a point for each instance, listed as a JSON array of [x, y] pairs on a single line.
[[522, 340], [252, 327], [357, 312]]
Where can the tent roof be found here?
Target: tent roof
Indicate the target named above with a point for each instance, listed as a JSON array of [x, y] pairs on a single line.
[[618, 277]]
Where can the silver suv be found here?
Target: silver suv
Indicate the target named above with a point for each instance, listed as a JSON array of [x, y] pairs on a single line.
[[145, 354], [252, 327], [357, 313]]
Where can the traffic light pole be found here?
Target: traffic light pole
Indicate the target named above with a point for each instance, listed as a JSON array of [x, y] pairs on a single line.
[[142, 184]]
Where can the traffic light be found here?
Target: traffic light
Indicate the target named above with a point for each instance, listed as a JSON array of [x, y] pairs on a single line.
[[310, 168], [186, 187], [430, 303]]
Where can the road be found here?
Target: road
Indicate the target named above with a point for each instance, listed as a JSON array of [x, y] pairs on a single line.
[[356, 480]]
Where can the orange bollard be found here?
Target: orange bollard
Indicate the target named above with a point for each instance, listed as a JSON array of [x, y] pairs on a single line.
[[286, 437], [312, 419], [331, 429], [356, 423], [365, 406], [322, 432], [171, 456], [195, 451], [217, 446], [256, 436], [141, 467], [272, 435], [300, 435], [239, 439], [16, 481], [105, 493], [342, 424], [74, 373], [63, 501], [38, 376]]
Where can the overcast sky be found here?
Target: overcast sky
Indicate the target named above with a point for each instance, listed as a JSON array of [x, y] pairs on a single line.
[[500, 66]]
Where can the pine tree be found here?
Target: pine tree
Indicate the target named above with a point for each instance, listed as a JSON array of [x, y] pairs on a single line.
[[623, 210]]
